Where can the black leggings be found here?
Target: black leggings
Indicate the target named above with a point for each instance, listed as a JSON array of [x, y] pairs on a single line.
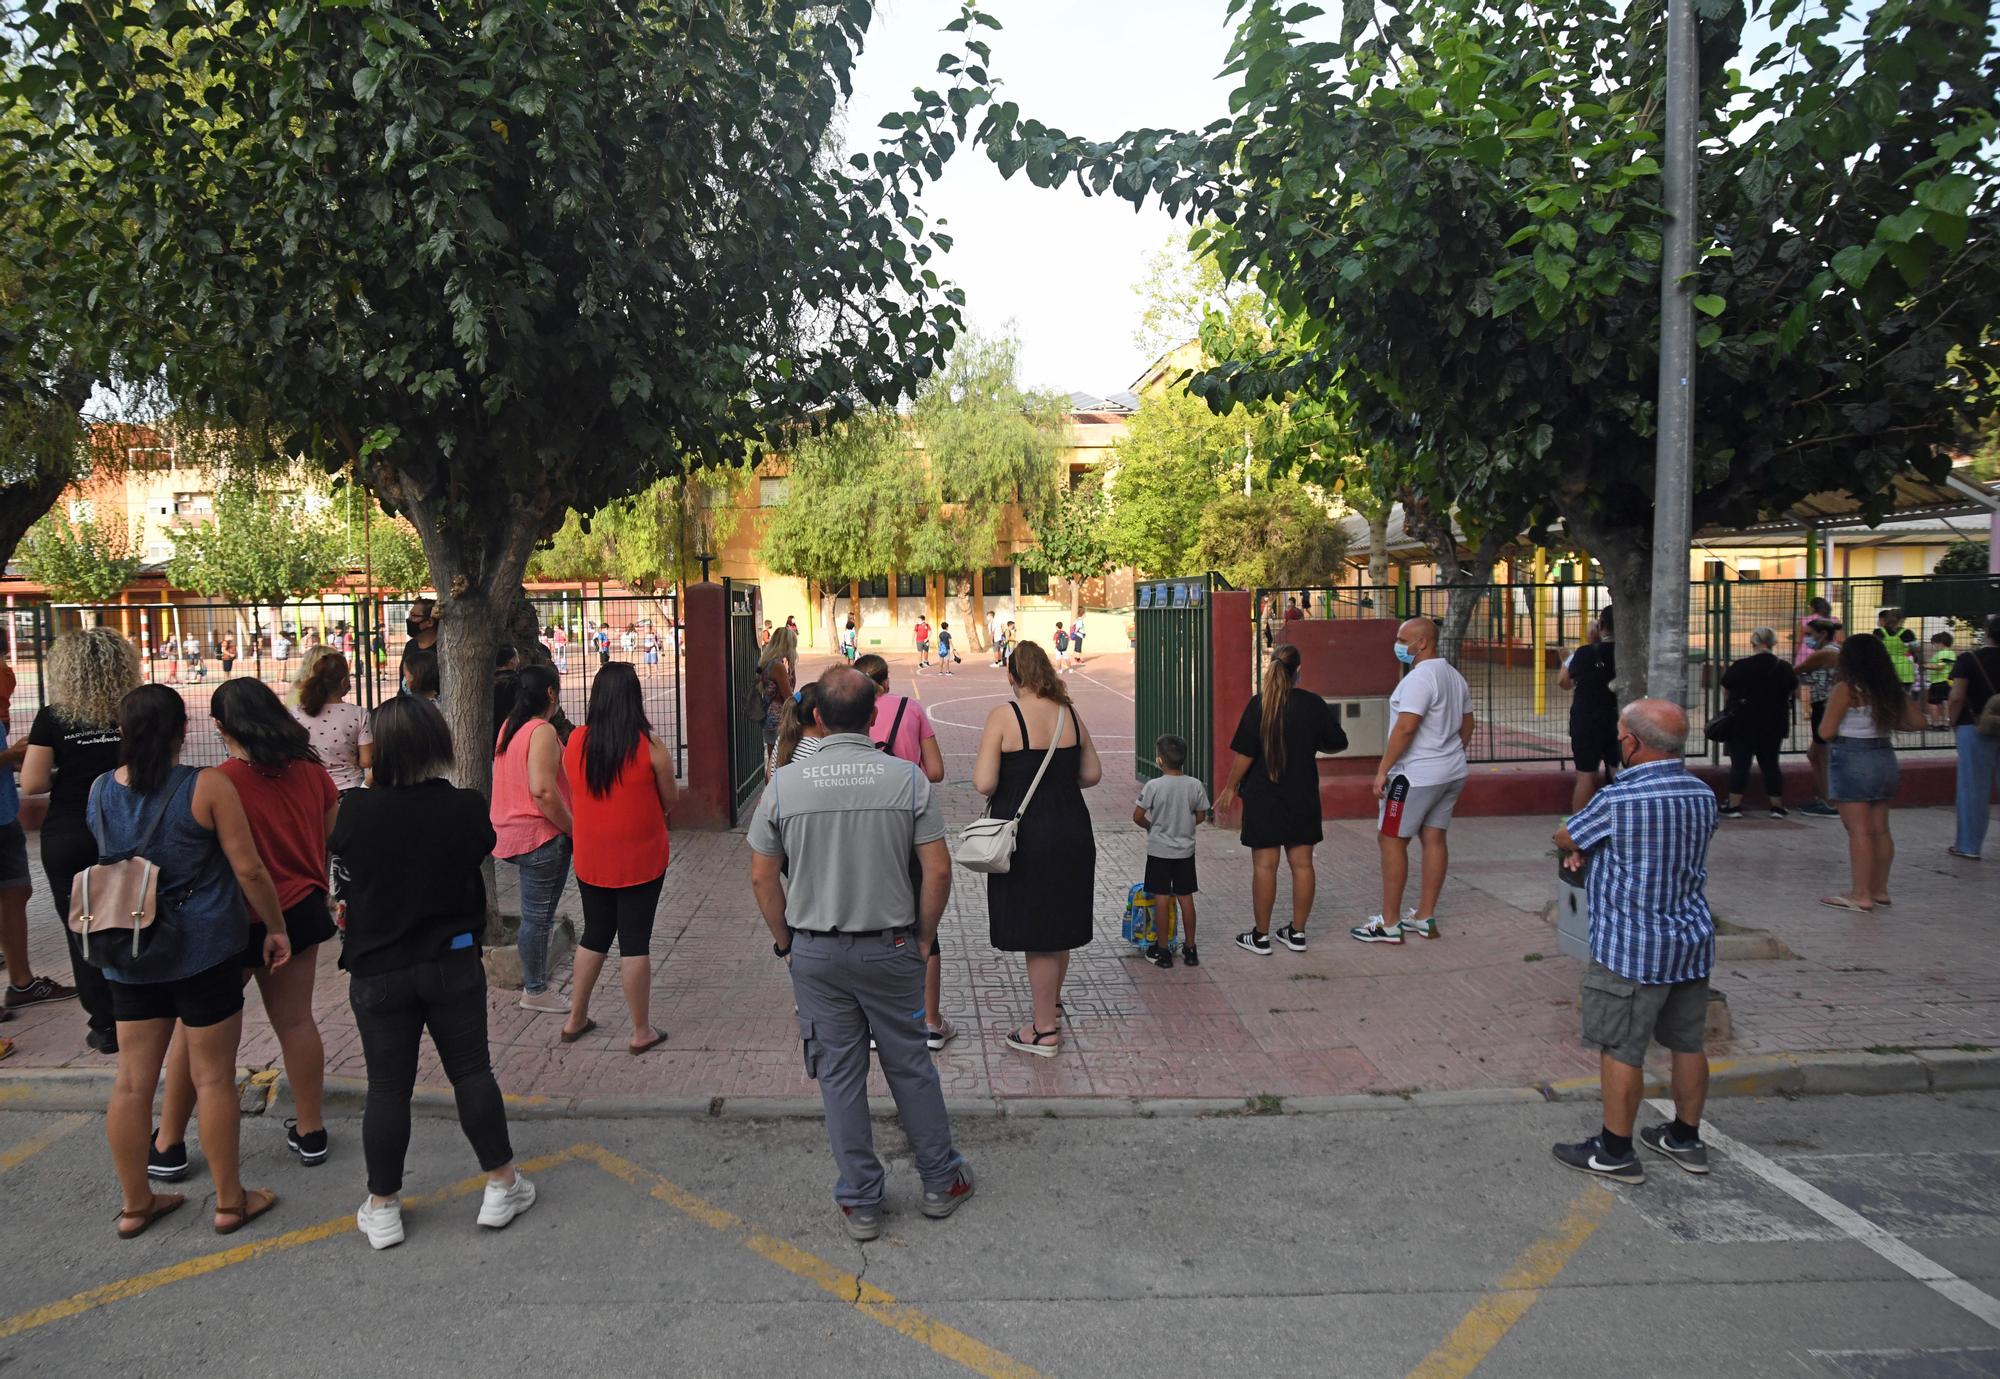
[[391, 1012], [623, 911], [1766, 753]]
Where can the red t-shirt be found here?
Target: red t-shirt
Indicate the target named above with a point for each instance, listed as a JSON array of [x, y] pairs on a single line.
[[621, 838], [287, 813]]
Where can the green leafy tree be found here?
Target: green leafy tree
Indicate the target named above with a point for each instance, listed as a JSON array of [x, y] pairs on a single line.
[[1962, 558], [1070, 541], [262, 547], [1177, 457], [81, 562], [1458, 210], [648, 541], [396, 557], [1280, 537], [500, 260]]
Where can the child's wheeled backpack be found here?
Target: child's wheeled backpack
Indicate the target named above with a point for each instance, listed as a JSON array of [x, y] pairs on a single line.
[[1143, 923]]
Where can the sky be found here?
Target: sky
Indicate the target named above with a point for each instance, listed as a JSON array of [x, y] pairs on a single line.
[[1058, 265]]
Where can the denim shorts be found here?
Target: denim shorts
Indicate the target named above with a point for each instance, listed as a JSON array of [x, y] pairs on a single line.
[[1862, 770]]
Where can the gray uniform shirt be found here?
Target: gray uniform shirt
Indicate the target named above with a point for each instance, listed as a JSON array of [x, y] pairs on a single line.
[[1174, 806], [845, 821]]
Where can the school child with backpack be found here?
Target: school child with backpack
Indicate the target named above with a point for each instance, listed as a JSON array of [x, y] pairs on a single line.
[[1170, 806]]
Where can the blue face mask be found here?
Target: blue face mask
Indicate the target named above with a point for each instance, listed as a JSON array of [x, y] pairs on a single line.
[[1403, 653]]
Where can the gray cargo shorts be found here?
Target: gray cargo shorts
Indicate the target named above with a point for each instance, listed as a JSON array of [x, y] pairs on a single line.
[[1621, 1016]]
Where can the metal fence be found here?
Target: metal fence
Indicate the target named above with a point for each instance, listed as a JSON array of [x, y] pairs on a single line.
[[1523, 716], [193, 647], [1174, 672]]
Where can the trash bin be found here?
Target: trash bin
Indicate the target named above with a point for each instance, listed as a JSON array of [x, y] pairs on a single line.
[[1572, 913]]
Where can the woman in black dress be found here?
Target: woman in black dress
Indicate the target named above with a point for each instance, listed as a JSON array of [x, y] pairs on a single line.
[[1276, 770], [1042, 906]]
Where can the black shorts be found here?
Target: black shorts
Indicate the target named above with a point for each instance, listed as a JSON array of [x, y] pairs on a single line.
[[307, 924], [14, 873], [1170, 875], [1594, 749], [1940, 691], [207, 998]]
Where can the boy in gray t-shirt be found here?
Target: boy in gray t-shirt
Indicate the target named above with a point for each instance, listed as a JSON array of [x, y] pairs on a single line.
[[1171, 805]]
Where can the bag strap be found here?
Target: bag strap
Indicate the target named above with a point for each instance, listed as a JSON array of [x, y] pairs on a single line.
[[1055, 738], [155, 812], [896, 726]]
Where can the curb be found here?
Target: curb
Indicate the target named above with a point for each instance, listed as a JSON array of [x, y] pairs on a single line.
[[1886, 1073]]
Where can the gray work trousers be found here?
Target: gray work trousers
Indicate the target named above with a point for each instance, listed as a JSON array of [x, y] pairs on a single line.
[[848, 987]]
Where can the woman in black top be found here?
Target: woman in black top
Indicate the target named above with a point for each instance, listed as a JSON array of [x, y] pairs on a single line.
[[412, 955], [1276, 770], [1758, 690], [73, 742]]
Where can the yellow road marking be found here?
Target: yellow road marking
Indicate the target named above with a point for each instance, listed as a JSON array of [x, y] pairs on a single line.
[[201, 1265], [866, 1299], [1474, 1338], [28, 1148]]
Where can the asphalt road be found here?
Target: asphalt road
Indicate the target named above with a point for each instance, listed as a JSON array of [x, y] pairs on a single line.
[[1432, 1242]]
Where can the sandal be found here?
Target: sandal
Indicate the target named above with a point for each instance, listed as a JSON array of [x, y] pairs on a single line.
[[659, 1038], [1043, 1043], [1882, 902], [588, 1026], [243, 1211], [1841, 902], [162, 1204]]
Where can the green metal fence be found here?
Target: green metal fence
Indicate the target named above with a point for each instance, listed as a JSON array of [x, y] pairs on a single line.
[[1174, 672]]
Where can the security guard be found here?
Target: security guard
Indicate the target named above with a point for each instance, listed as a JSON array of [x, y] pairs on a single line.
[[841, 824]]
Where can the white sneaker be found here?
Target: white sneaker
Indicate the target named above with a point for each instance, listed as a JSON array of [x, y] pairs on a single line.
[[382, 1225], [545, 1003], [505, 1201], [1375, 931]]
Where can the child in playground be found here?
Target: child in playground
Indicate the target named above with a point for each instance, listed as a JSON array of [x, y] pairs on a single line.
[[1170, 806]]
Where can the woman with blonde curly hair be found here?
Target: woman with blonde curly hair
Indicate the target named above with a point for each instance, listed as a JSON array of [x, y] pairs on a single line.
[[73, 742]]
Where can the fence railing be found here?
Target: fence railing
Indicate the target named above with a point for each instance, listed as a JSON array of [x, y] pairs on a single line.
[[1525, 718]]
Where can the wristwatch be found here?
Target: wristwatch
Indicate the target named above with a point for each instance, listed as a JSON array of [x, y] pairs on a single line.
[[782, 952]]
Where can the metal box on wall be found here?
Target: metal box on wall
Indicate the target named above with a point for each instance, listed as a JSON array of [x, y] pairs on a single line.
[[1365, 721], [1572, 914]]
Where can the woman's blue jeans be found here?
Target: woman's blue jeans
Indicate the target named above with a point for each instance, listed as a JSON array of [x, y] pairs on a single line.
[[544, 873], [1978, 768]]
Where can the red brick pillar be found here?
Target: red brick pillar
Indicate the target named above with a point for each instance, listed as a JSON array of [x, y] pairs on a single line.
[[704, 801], [1232, 665]]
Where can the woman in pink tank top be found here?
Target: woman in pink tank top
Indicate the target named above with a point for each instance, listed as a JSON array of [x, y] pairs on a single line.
[[531, 823]]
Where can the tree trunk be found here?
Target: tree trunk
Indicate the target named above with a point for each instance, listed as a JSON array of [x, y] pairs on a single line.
[[1075, 598], [1378, 547], [829, 608], [1627, 558]]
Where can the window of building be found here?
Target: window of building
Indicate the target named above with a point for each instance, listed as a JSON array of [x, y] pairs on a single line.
[[996, 581], [1713, 570], [912, 586], [771, 492], [1034, 582], [1750, 568], [874, 587]]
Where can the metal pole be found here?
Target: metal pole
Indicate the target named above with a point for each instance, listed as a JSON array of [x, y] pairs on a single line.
[[1673, 491]]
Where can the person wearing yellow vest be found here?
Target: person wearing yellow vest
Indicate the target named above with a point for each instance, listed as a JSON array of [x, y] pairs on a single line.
[[1901, 644]]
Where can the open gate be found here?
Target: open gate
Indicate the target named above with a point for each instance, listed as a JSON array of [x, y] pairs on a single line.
[[1174, 672], [745, 605]]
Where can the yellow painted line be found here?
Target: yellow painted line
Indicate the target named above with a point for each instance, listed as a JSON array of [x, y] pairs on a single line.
[[865, 1298], [28, 1148], [1473, 1339], [203, 1265], [12, 1091]]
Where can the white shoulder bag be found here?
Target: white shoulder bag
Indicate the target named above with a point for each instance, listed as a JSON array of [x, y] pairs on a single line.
[[988, 844]]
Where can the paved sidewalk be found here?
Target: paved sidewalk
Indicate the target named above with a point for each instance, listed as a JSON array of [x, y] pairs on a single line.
[[1489, 1004]]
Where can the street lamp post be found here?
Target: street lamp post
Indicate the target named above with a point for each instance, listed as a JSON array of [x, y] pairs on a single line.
[[1673, 490]]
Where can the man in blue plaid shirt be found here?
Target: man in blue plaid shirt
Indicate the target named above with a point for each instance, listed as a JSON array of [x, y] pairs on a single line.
[[1652, 939]]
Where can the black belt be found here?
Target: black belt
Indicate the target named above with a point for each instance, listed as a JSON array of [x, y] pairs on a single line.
[[854, 933]]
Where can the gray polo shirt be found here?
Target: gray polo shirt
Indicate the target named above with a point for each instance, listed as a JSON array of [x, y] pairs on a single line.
[[845, 820]]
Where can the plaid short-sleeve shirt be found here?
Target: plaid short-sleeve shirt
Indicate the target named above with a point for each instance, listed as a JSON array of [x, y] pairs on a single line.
[[1647, 836]]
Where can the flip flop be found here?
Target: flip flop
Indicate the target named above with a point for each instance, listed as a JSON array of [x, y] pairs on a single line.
[[588, 1026], [162, 1204], [243, 1211], [1841, 902], [1882, 902], [659, 1038]]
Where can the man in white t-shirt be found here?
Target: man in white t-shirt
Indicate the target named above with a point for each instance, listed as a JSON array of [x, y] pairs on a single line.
[[1423, 769]]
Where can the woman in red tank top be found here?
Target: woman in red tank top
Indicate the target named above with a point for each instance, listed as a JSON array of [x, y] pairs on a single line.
[[622, 785]]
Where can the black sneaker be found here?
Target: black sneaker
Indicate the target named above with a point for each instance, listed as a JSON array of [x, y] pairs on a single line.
[[105, 1041], [1160, 957], [1730, 811], [1778, 811], [1659, 1139], [168, 1165], [311, 1149], [1190, 956], [1819, 809], [1292, 939], [1589, 1156], [1250, 941]]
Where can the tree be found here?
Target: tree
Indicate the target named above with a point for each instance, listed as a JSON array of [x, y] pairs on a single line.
[[80, 561], [1070, 541], [262, 547], [1963, 557], [1457, 207], [395, 557], [1177, 457], [502, 260], [1281, 537], [649, 541]]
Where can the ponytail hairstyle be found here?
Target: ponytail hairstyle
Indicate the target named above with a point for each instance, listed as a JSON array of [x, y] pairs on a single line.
[[793, 720], [327, 677], [247, 710], [1279, 674], [1029, 668], [531, 700]]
